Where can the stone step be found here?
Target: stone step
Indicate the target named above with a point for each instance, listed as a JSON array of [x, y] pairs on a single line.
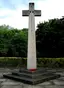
[[31, 80], [39, 75]]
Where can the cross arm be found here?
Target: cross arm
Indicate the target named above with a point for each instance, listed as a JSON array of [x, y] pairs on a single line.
[[37, 12], [25, 12]]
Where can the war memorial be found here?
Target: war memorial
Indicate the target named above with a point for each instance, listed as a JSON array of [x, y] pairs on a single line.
[[31, 74]]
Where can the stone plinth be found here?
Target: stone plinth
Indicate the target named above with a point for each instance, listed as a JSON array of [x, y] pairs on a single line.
[[32, 77]]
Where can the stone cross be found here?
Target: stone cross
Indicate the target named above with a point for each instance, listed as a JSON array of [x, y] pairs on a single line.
[[31, 59]]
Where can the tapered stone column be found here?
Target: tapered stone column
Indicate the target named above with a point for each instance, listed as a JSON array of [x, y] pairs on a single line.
[[31, 62]]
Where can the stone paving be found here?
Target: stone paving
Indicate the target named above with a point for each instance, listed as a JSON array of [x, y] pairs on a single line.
[[7, 83]]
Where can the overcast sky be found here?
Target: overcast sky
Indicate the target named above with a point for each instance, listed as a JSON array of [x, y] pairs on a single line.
[[11, 11]]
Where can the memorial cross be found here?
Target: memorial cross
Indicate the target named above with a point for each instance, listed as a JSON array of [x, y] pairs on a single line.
[[31, 57]]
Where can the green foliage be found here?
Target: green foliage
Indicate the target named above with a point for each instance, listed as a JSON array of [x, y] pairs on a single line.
[[7, 61], [13, 42], [22, 62], [12, 62], [19, 44], [51, 62], [50, 38]]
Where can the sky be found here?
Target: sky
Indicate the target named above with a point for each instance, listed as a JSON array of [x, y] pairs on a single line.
[[11, 11]]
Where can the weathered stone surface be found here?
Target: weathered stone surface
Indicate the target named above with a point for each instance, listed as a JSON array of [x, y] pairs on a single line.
[[57, 82], [2, 80], [53, 86], [12, 86], [61, 79], [44, 83], [36, 77], [10, 83]]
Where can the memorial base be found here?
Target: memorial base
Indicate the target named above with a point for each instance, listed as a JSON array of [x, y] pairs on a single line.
[[32, 77]]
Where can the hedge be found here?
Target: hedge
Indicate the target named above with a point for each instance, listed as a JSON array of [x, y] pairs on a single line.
[[22, 62]]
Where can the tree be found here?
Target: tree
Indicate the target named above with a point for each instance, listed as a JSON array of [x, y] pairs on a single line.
[[18, 44], [13, 42], [50, 38]]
